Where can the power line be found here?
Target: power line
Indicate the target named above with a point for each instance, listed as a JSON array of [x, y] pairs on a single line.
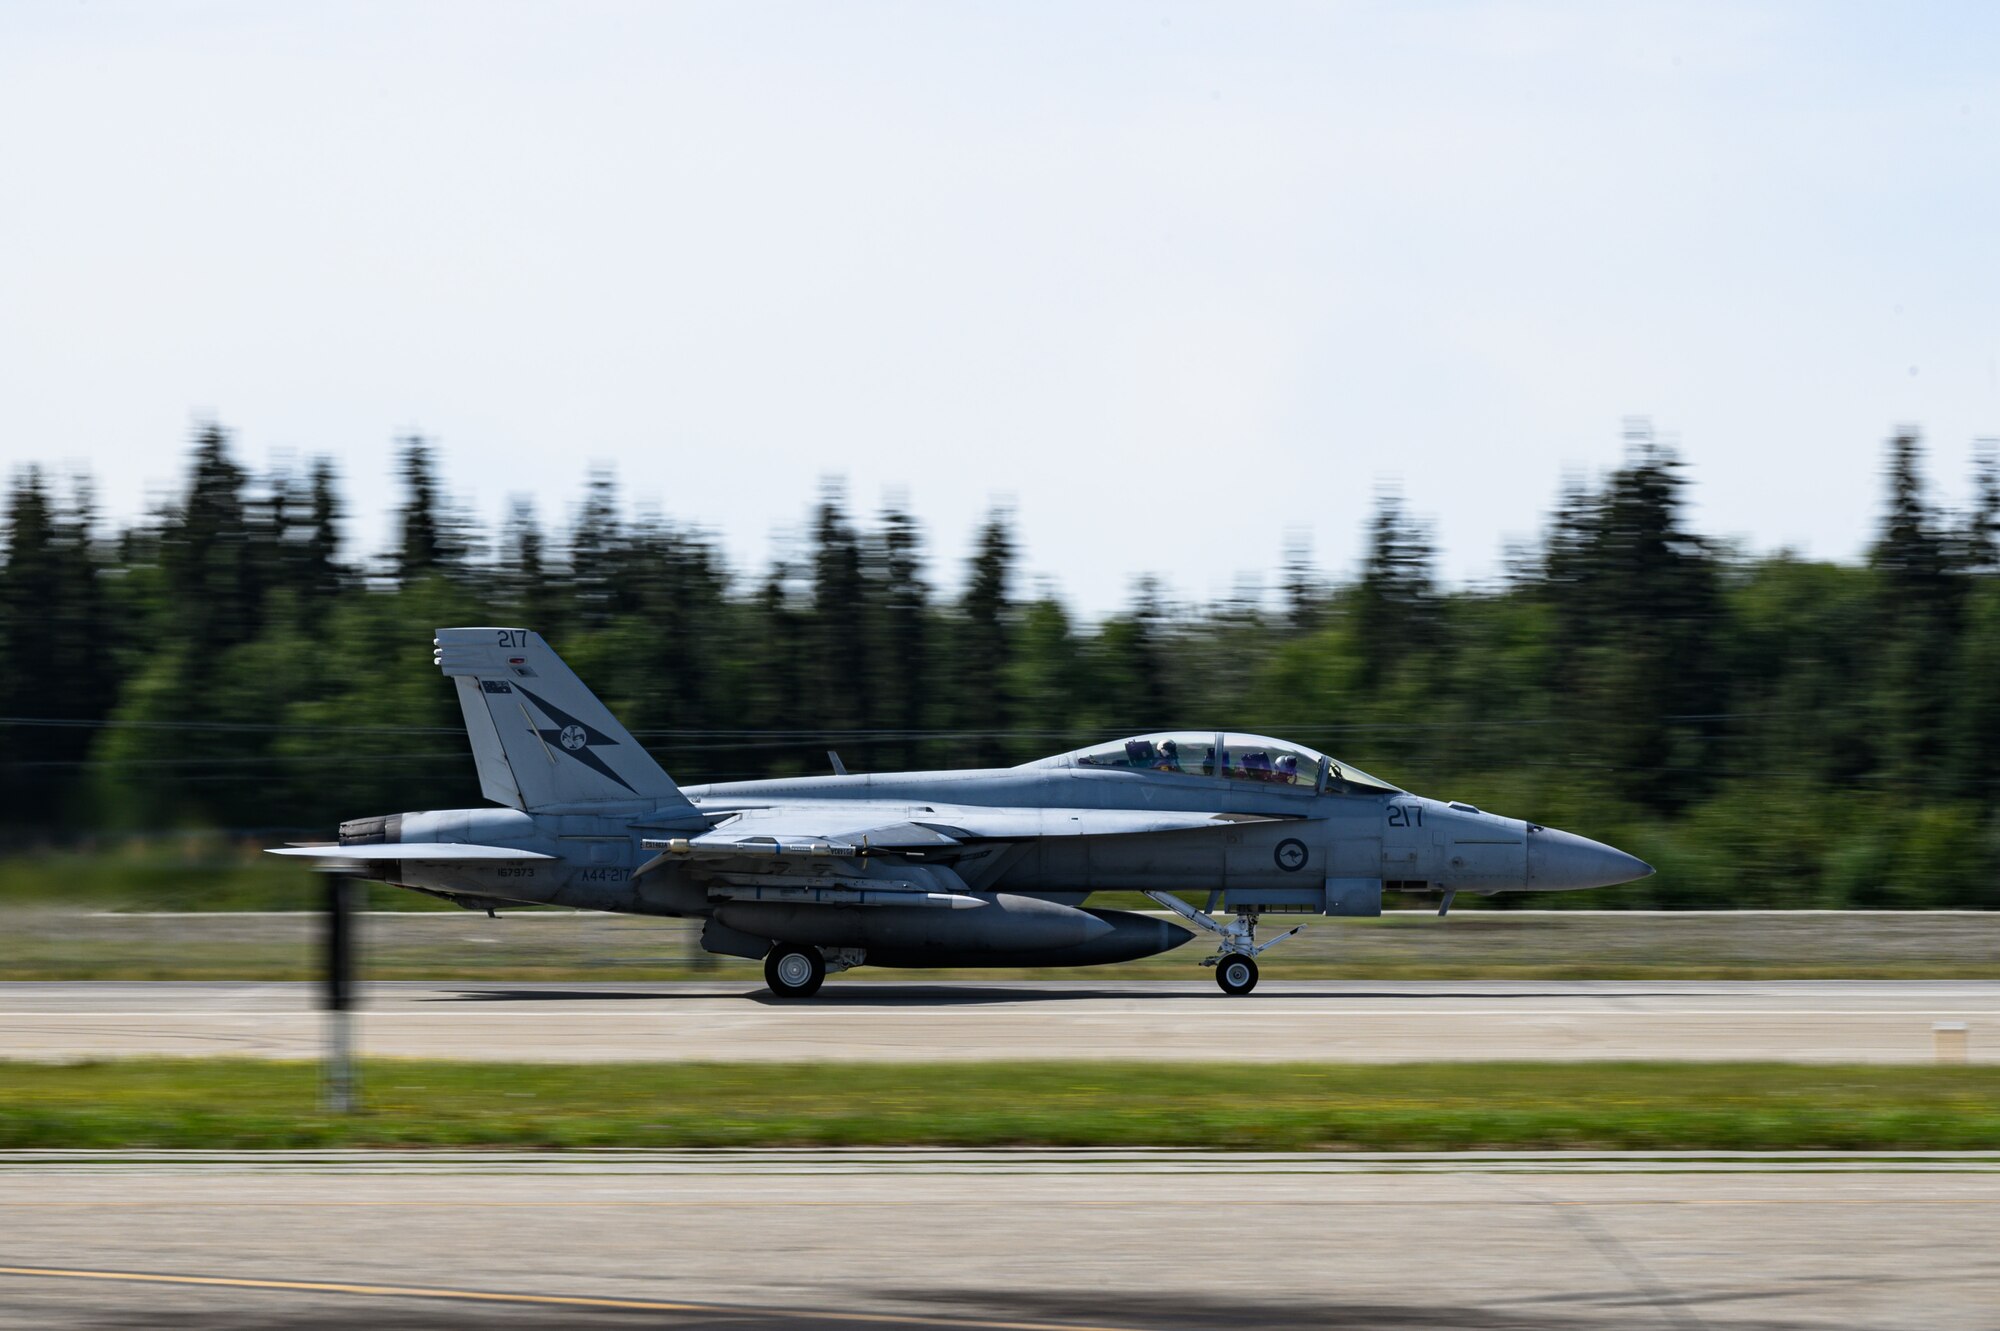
[[817, 734]]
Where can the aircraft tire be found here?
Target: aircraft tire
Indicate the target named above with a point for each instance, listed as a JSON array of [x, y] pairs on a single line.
[[794, 972], [1236, 974]]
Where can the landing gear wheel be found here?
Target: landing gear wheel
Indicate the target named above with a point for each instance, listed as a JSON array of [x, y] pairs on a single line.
[[1236, 973], [794, 972]]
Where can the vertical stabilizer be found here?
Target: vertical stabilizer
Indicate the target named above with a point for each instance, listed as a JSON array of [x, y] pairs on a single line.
[[539, 736]]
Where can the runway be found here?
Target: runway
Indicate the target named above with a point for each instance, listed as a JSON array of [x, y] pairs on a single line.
[[1039, 1241], [1807, 1021]]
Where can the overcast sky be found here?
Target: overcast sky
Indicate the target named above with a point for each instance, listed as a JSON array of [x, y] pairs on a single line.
[[1171, 280]]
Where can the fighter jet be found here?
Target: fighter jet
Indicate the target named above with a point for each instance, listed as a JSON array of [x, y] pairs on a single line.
[[990, 867]]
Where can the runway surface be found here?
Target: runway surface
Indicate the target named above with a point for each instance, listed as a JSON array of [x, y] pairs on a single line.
[[1036, 1241], [1809, 1021]]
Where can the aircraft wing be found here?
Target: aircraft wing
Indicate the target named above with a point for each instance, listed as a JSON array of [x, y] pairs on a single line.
[[411, 850], [842, 829], [974, 823]]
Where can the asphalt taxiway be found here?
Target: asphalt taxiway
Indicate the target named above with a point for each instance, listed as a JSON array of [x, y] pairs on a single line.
[[1036, 1241], [1808, 1021]]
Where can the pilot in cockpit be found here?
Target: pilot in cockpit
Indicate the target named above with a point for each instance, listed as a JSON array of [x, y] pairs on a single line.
[[1169, 759]]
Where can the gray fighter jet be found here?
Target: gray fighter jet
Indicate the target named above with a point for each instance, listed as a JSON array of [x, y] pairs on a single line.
[[957, 868]]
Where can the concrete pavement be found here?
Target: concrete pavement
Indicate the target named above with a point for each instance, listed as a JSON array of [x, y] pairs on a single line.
[[958, 1239], [1808, 1021]]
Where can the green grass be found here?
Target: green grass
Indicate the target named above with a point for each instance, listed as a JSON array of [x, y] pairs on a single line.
[[166, 1103], [198, 872]]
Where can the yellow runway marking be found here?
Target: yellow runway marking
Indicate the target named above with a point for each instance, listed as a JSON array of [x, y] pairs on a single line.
[[544, 1300]]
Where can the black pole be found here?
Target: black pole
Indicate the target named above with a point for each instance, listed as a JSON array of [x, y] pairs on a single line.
[[340, 1090]]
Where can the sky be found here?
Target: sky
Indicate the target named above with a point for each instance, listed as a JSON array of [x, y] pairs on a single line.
[[1175, 283]]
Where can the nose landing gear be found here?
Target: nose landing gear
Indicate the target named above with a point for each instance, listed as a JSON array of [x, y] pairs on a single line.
[[1237, 948], [1236, 973]]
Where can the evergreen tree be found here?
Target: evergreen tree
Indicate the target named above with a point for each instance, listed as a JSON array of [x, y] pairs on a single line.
[[1920, 593], [842, 679], [1125, 685], [57, 650], [596, 552], [322, 574], [526, 580], [1637, 599], [675, 596], [1982, 526], [984, 641], [902, 642], [427, 542], [215, 564], [1396, 603], [1305, 591], [779, 643], [1047, 677]]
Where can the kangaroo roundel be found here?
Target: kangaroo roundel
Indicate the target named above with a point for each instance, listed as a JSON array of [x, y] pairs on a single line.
[[573, 738]]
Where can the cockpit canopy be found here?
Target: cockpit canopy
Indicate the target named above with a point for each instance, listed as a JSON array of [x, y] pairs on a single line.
[[1250, 758]]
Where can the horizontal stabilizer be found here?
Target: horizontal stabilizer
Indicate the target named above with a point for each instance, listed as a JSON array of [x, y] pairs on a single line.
[[435, 851]]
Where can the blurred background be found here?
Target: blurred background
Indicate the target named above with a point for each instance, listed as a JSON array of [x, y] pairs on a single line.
[[1768, 730], [1527, 404]]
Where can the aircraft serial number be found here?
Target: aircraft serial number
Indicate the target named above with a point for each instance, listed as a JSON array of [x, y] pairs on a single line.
[[1406, 815], [512, 637]]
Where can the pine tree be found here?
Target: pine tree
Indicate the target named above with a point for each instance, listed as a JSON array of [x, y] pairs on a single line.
[[1305, 590], [525, 578], [596, 550], [776, 655], [1982, 524], [1127, 688], [427, 542], [902, 636], [322, 574], [30, 585], [59, 645], [1396, 604], [841, 672], [984, 643], [211, 557], [1636, 599], [1920, 594]]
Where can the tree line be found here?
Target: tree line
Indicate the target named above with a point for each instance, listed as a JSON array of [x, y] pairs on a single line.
[[1768, 729]]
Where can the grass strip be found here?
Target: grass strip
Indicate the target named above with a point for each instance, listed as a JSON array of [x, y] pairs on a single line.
[[248, 1104]]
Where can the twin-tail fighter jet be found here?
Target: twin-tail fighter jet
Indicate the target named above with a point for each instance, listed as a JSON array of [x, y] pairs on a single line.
[[992, 867]]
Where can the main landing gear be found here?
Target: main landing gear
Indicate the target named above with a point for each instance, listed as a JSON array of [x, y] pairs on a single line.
[[797, 970], [1237, 948], [793, 971]]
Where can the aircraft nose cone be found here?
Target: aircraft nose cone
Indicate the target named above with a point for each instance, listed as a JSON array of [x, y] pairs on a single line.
[[1565, 862]]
